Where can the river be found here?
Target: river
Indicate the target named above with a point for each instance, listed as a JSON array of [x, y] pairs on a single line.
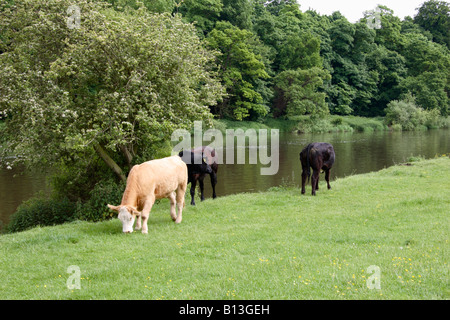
[[355, 153]]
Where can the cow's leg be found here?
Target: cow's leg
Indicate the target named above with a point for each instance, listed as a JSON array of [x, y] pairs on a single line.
[[317, 182], [200, 182], [314, 180], [319, 165], [138, 225], [146, 212], [173, 202], [327, 177], [304, 177], [213, 183], [180, 202], [193, 185]]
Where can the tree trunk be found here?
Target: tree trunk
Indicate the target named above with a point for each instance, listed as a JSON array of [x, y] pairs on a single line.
[[127, 154], [110, 162]]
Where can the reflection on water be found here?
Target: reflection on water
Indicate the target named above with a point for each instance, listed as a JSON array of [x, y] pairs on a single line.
[[16, 187], [355, 153]]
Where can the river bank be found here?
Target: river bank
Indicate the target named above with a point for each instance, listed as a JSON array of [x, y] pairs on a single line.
[[268, 245], [331, 123], [328, 124]]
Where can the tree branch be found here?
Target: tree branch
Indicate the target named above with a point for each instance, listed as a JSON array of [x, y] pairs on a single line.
[[127, 154], [109, 162]]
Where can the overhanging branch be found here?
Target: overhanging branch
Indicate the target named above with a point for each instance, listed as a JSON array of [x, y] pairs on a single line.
[[109, 162]]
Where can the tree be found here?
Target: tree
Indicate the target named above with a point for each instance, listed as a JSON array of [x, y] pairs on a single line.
[[390, 70], [297, 92], [300, 51], [275, 6], [428, 72], [278, 26], [407, 114], [110, 88], [434, 16], [430, 91], [422, 55], [238, 12], [204, 13], [353, 84], [341, 96], [158, 6], [389, 35], [240, 69]]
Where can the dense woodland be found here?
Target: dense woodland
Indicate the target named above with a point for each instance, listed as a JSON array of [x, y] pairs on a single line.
[[277, 58]]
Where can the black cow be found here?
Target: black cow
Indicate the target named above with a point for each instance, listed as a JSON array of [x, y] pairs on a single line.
[[197, 172], [317, 155]]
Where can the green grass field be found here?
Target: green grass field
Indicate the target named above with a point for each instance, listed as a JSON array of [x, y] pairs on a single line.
[[271, 245]]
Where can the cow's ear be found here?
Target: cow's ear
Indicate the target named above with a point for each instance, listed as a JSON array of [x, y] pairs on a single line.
[[134, 211], [115, 208]]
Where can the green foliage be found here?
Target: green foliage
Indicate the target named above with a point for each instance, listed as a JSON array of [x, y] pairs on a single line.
[[428, 73], [434, 16], [240, 69], [337, 121], [430, 91], [333, 123], [204, 13], [95, 209], [389, 69], [255, 40], [409, 115], [118, 84], [362, 124], [343, 95], [389, 35], [415, 159], [40, 211], [238, 12], [75, 179], [158, 6], [297, 92], [300, 51]]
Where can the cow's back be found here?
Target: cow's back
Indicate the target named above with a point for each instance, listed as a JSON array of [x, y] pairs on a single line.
[[323, 150], [160, 176]]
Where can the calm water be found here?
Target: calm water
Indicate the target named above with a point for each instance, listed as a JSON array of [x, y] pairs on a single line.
[[355, 153]]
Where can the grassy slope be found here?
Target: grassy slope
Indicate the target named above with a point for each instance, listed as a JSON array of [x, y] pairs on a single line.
[[271, 245]]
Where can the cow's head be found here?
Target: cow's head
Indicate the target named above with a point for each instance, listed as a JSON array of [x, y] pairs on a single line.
[[204, 166], [127, 214], [197, 162]]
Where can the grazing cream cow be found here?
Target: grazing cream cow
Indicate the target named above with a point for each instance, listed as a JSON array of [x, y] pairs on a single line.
[[147, 182]]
